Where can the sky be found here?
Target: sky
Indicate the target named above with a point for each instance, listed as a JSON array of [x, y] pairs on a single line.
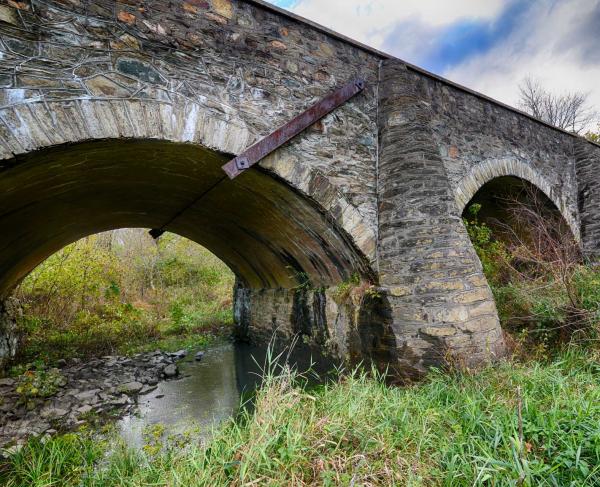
[[487, 45]]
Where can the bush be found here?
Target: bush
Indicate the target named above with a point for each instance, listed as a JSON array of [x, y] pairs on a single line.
[[35, 381], [545, 295], [118, 290]]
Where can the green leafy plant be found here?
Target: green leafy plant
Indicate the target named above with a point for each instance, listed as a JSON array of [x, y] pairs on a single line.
[[492, 252], [343, 289], [37, 381], [594, 136], [302, 278]]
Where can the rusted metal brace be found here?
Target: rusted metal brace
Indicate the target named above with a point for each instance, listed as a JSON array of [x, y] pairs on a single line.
[[276, 139]]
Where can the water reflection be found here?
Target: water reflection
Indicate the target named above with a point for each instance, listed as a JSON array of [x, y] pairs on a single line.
[[208, 391]]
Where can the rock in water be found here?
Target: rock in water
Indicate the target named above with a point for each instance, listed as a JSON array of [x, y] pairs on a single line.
[[131, 387], [170, 370], [147, 389], [179, 354], [199, 356], [120, 401]]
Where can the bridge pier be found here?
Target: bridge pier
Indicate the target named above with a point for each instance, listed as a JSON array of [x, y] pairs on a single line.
[[346, 323], [440, 303]]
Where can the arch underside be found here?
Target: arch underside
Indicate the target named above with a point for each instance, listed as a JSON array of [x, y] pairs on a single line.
[[488, 171], [269, 234], [502, 197]]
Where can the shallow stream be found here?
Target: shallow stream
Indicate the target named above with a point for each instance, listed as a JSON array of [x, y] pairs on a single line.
[[207, 393]]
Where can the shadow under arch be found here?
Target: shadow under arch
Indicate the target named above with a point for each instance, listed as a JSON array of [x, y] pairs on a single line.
[[501, 199], [264, 229], [481, 175]]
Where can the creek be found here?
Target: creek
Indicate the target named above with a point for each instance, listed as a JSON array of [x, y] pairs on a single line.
[[173, 392], [208, 392]]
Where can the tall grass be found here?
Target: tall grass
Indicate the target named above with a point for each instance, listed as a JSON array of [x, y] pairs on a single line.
[[452, 430], [61, 461]]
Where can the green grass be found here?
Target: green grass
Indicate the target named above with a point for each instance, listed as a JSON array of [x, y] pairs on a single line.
[[62, 461], [453, 430], [174, 343]]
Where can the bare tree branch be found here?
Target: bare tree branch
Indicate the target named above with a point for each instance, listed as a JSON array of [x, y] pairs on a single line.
[[569, 111]]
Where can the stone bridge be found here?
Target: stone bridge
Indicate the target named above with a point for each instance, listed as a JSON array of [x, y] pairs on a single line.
[[121, 113]]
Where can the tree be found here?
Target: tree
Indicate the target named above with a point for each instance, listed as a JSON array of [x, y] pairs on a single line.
[[569, 111], [594, 136]]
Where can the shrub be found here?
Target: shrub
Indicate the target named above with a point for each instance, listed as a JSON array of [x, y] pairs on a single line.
[[36, 381], [117, 290], [545, 295]]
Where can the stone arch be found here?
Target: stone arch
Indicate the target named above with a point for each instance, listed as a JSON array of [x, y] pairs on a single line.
[[486, 171], [101, 132]]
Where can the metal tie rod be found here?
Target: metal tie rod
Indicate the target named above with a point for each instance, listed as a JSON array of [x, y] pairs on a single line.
[[276, 139]]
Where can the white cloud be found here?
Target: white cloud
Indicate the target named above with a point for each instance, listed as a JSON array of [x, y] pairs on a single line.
[[546, 46], [369, 21], [549, 43]]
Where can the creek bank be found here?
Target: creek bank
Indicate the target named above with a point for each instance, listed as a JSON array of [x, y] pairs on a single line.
[[102, 387]]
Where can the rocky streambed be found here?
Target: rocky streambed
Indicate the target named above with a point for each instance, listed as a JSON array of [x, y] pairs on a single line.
[[107, 386]]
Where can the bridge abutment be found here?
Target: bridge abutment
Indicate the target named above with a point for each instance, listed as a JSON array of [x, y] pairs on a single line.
[[440, 303], [9, 339]]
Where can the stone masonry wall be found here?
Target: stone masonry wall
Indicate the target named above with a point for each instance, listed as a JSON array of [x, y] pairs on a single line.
[[588, 178], [441, 306], [477, 137], [218, 59], [9, 339], [350, 327], [218, 73]]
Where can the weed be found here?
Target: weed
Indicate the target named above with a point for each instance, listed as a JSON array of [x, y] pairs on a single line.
[[532, 424]]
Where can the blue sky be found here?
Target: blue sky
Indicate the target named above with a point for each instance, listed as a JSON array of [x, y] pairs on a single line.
[[467, 37], [284, 3], [487, 45]]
